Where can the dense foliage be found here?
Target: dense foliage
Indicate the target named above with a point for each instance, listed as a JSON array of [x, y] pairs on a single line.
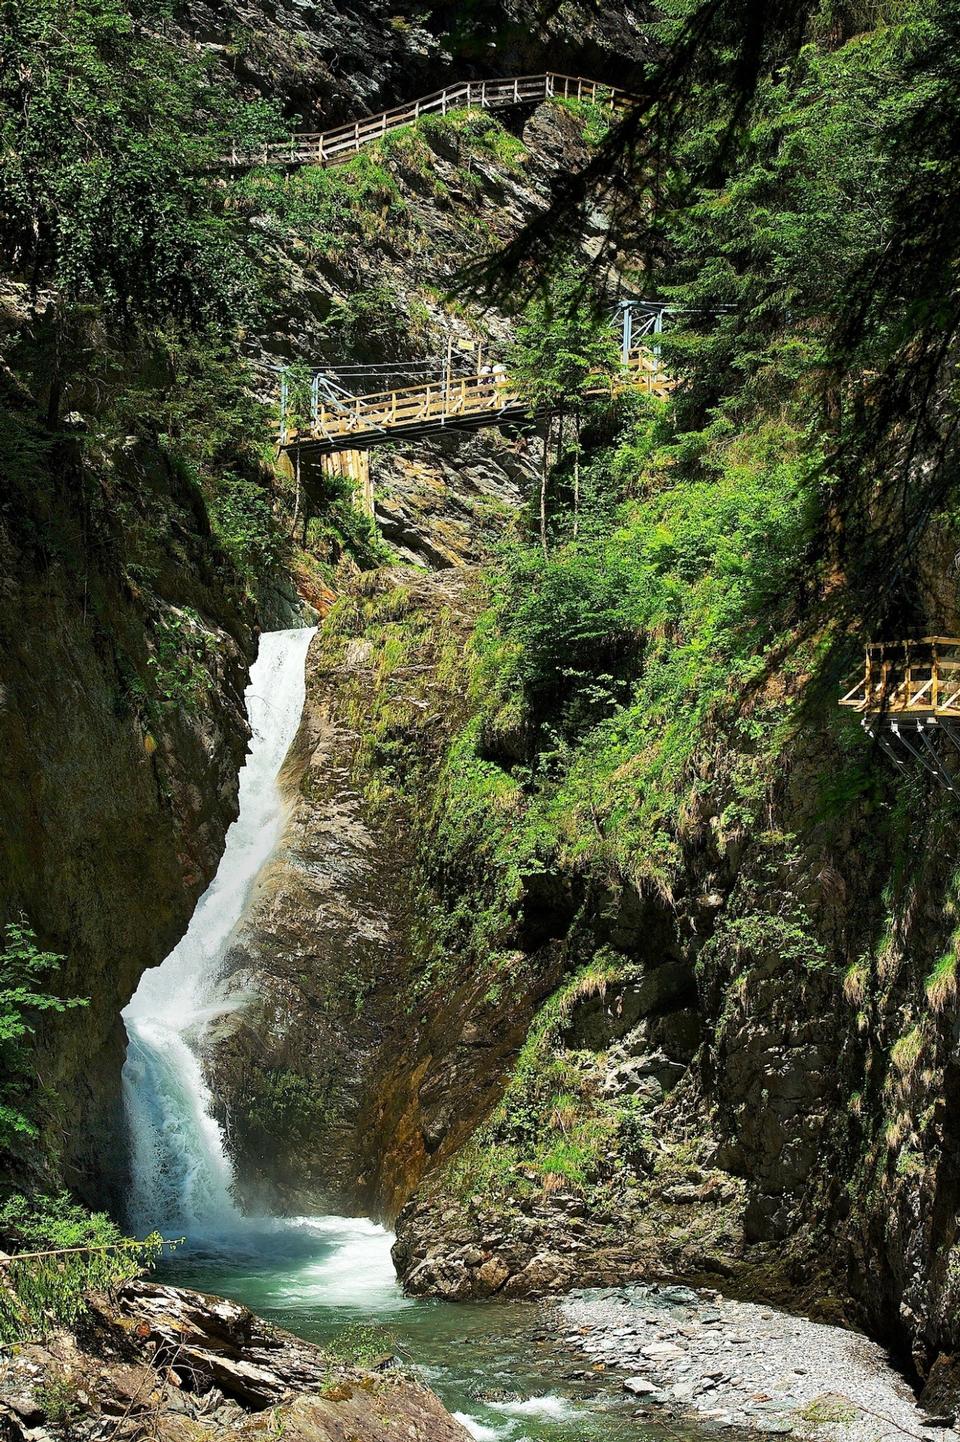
[[128, 277], [106, 134], [80, 1252], [712, 535], [24, 995], [655, 681]]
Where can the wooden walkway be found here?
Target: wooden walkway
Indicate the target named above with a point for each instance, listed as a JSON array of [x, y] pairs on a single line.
[[909, 679], [331, 147], [454, 403], [908, 699]]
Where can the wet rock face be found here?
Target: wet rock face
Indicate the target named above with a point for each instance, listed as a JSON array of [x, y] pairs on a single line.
[[321, 963], [181, 1366], [343, 1084], [111, 821], [326, 63], [316, 950], [443, 503]]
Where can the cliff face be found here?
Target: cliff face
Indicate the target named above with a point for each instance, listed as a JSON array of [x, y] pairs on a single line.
[[127, 627], [314, 1071], [364, 256], [328, 63], [125, 643], [766, 1061], [767, 1057], [551, 1062], [323, 956]]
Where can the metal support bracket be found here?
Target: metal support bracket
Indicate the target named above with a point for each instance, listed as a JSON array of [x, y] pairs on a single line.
[[914, 751], [884, 743], [942, 771]]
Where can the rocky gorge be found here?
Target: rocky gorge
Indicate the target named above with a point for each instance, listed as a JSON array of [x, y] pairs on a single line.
[[598, 948]]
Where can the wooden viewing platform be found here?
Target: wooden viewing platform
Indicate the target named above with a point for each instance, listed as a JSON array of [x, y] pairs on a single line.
[[452, 403], [908, 696], [331, 147], [909, 678]]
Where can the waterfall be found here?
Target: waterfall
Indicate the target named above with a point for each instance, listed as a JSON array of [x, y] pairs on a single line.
[[181, 1182]]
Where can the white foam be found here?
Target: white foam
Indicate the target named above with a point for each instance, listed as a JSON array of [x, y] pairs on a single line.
[[480, 1430], [550, 1407], [348, 1265]]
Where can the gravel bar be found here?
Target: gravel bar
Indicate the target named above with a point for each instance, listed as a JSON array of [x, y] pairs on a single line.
[[742, 1366]]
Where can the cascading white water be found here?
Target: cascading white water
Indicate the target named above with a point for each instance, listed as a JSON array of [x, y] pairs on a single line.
[[318, 1275], [181, 1174]]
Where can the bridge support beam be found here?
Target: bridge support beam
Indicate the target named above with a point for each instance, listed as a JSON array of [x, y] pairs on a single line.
[[355, 466]]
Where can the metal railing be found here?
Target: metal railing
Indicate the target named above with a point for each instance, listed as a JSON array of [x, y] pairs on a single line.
[[351, 422]]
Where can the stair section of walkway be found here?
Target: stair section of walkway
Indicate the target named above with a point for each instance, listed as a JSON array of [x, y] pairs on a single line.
[[330, 147]]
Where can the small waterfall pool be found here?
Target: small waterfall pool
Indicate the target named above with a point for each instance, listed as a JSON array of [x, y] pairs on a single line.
[[490, 1362], [317, 1276]]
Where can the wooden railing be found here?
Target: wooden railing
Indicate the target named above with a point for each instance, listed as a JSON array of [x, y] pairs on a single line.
[[464, 402], [330, 147], [909, 678]]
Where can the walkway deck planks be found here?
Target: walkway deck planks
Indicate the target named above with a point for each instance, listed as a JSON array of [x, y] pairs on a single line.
[[457, 403]]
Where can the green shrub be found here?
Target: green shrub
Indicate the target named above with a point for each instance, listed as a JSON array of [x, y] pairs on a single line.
[[361, 1344], [243, 521], [38, 1294], [595, 118], [106, 129], [329, 209], [482, 132], [179, 659], [58, 1400], [23, 997]]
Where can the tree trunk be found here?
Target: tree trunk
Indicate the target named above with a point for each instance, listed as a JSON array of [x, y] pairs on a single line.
[[576, 475], [544, 474]]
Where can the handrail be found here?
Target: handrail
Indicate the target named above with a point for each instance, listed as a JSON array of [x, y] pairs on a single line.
[[7, 1257], [330, 147], [386, 415], [908, 678]]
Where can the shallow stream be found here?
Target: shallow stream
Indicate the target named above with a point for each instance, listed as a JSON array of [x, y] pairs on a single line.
[[491, 1363]]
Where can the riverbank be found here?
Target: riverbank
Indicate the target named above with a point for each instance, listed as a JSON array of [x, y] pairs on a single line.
[[174, 1365], [738, 1365]]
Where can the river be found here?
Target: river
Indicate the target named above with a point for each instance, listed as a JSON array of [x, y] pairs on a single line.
[[491, 1363]]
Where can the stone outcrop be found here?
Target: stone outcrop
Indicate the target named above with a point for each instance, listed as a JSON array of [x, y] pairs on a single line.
[[325, 63], [445, 500], [794, 1090], [178, 1366], [308, 1067]]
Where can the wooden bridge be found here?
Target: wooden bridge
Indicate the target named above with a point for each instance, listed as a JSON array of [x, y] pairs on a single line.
[[907, 697], [355, 423], [331, 147]]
